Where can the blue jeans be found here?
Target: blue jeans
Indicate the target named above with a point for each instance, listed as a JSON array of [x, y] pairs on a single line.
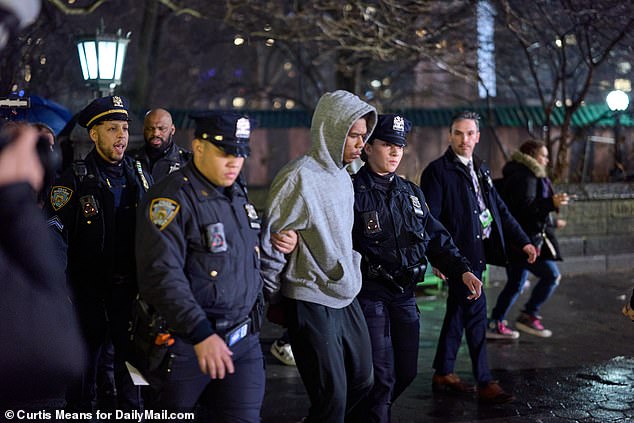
[[549, 276]]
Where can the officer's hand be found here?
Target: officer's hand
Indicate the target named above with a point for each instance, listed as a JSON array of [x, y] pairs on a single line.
[[473, 284], [19, 161], [560, 223], [438, 274], [284, 241], [531, 252], [214, 357]]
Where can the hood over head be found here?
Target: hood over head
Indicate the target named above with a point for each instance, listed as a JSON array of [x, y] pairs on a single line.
[[334, 115]]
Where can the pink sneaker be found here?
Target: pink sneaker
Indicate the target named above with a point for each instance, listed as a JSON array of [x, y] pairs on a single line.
[[498, 330], [533, 325]]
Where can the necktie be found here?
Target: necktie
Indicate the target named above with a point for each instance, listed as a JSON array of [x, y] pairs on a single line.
[[481, 204]]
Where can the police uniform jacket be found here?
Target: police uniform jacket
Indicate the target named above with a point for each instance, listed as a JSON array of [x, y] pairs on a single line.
[[198, 254], [98, 238], [394, 228], [170, 160], [452, 200]]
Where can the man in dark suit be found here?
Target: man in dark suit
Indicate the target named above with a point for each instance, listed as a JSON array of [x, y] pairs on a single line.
[[460, 193]]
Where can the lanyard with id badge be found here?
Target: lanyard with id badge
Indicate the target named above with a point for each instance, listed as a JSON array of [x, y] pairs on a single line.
[[485, 216], [485, 220]]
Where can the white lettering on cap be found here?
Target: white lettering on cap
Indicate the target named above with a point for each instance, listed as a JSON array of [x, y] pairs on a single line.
[[243, 128], [398, 124]]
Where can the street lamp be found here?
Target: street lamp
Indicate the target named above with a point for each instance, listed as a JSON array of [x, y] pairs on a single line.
[[101, 57], [617, 102]]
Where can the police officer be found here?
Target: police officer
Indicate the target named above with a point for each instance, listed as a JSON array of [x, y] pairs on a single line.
[[198, 265], [394, 232], [92, 209], [160, 155]]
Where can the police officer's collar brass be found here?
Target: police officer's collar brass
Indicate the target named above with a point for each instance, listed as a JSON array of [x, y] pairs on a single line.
[[163, 211]]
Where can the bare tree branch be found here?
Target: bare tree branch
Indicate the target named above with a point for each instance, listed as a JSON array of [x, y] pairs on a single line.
[[76, 10]]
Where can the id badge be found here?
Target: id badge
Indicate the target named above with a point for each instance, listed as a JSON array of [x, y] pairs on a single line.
[[486, 218], [238, 332]]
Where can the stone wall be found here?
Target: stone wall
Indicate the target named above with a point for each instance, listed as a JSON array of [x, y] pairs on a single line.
[[599, 236]]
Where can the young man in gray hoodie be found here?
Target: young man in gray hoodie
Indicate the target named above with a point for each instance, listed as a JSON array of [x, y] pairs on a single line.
[[316, 284]]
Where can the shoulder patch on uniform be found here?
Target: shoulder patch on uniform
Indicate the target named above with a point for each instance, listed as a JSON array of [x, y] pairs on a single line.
[[60, 196], [163, 211]]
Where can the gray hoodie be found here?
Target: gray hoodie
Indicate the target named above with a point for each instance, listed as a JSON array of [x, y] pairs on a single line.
[[314, 196]]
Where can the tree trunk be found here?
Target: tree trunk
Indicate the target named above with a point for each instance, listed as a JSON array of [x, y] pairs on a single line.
[[561, 164]]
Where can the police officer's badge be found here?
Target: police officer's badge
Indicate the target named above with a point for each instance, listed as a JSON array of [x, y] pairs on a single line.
[[398, 124], [174, 167], [418, 208], [116, 101], [60, 196], [163, 211], [254, 220], [243, 128]]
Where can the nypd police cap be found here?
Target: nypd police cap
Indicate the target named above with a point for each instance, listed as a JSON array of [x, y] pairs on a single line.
[[392, 129], [102, 109], [228, 131]]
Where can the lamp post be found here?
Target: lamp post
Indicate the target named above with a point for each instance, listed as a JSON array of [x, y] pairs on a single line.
[[617, 102], [101, 57]]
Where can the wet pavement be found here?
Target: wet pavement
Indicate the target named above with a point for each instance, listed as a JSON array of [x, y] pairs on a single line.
[[583, 373]]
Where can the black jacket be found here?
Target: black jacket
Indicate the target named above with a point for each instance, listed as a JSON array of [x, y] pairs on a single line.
[[97, 237], [43, 349], [528, 193], [198, 254], [172, 159], [393, 228], [452, 200]]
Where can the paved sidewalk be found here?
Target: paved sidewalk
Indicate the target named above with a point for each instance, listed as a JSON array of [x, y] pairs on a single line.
[[584, 373]]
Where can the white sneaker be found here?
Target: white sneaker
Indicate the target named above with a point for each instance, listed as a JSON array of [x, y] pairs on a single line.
[[283, 352]]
